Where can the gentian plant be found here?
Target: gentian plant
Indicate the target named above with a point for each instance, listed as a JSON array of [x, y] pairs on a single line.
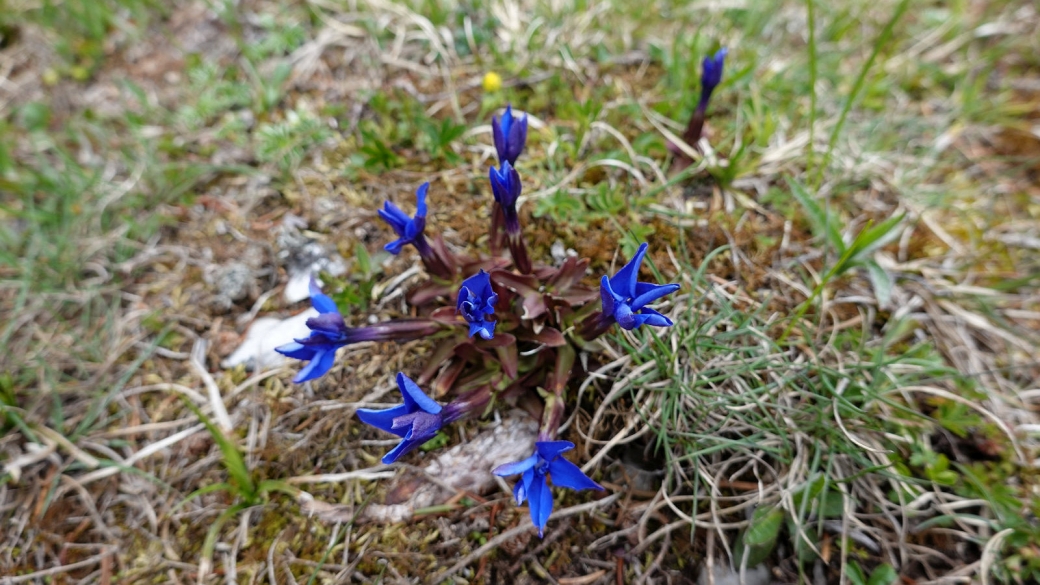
[[711, 76], [507, 330]]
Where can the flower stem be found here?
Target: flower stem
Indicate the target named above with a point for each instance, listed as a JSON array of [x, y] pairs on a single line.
[[434, 264], [594, 325], [518, 248]]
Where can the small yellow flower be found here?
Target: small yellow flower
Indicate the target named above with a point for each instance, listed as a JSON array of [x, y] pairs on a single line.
[[492, 81]]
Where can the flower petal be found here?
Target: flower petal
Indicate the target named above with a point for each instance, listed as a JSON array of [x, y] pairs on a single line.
[[318, 366], [329, 323], [395, 246], [652, 317], [400, 450], [420, 199], [516, 467], [624, 282], [500, 136], [384, 419], [516, 139], [541, 503], [550, 450], [647, 293], [319, 300], [296, 350], [393, 215], [519, 493], [485, 329], [626, 318], [414, 396], [568, 475], [606, 295]]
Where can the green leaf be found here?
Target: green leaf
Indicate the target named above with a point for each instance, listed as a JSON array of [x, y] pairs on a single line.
[[802, 549], [872, 238], [216, 487], [884, 574], [214, 529], [832, 505], [276, 485], [882, 282], [233, 460], [765, 526], [824, 225], [759, 538], [855, 573], [364, 261]]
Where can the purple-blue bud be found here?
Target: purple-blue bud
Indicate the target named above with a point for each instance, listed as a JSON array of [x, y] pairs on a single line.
[[711, 76], [510, 136]]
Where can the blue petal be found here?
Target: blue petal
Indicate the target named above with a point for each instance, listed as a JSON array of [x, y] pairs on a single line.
[[606, 296], [296, 350], [652, 317], [648, 293], [505, 184], [420, 199], [497, 188], [500, 135], [319, 300], [624, 282], [486, 329], [528, 478], [550, 450], [516, 466], [489, 330], [626, 318], [383, 419], [421, 425], [330, 323], [516, 139], [395, 246], [465, 296], [540, 501], [401, 449], [479, 284], [414, 396], [317, 367], [568, 475], [392, 215], [519, 493]]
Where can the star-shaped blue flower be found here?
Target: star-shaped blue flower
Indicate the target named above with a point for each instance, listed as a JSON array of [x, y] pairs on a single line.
[[416, 421], [534, 485], [409, 229], [625, 300], [510, 136], [711, 76], [476, 303], [328, 333]]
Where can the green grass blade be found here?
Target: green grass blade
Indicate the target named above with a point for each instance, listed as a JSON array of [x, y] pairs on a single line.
[[822, 223], [857, 86], [233, 460]]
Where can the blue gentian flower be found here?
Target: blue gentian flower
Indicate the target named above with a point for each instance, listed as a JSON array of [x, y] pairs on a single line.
[[510, 136], [711, 76], [409, 230], [476, 303], [534, 485], [328, 333], [416, 421], [625, 300], [505, 185]]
